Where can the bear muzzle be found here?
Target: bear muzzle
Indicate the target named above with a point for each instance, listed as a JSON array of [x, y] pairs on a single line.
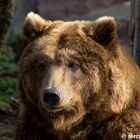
[[51, 97]]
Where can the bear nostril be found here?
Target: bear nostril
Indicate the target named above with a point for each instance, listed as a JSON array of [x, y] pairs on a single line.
[[51, 97]]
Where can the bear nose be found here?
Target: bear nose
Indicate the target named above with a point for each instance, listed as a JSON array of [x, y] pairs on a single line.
[[51, 96]]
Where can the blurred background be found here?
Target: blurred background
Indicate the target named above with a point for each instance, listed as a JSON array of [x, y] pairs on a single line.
[[15, 42]]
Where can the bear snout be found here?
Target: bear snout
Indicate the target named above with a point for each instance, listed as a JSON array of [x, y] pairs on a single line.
[[51, 97]]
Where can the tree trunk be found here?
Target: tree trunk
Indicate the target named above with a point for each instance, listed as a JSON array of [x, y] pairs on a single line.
[[6, 7], [134, 32]]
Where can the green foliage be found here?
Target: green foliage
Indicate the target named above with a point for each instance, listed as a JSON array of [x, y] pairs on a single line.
[[14, 38], [8, 82], [7, 60]]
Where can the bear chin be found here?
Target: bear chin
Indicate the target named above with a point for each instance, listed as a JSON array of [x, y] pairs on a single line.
[[62, 118]]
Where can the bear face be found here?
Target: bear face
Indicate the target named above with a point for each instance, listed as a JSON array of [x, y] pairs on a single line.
[[65, 70]]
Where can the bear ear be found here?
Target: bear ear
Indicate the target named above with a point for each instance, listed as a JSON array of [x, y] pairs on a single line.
[[103, 30], [34, 25]]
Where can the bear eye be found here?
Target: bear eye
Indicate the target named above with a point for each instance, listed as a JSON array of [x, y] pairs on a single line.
[[41, 67], [73, 66]]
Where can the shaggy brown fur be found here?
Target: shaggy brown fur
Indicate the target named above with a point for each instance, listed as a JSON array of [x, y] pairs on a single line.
[[98, 83]]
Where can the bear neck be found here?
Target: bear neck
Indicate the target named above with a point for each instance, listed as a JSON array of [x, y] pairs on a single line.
[[78, 130], [84, 128]]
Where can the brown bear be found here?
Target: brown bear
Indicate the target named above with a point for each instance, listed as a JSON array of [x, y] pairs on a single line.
[[77, 82]]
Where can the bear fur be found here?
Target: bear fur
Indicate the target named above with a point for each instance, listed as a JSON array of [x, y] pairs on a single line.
[[97, 81]]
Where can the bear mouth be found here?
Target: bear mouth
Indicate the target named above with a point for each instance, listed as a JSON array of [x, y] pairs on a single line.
[[54, 108], [60, 109], [54, 113]]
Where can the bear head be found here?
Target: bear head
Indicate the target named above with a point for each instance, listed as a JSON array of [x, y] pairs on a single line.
[[64, 70]]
